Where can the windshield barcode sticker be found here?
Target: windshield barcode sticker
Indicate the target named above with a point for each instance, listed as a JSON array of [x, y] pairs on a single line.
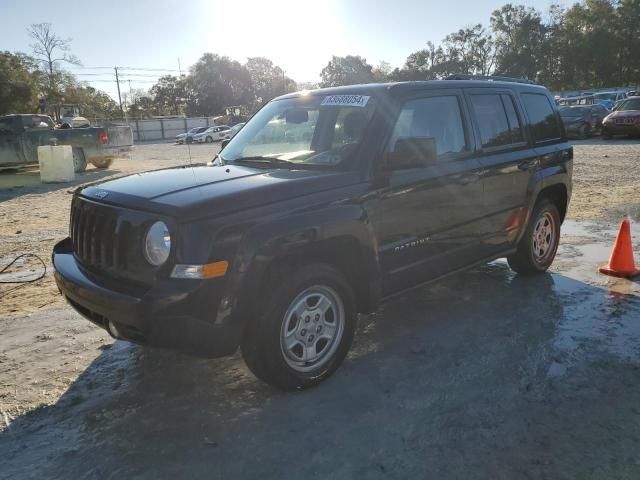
[[346, 100]]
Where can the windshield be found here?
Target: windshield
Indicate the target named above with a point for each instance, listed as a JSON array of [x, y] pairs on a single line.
[[572, 111], [307, 130], [633, 104]]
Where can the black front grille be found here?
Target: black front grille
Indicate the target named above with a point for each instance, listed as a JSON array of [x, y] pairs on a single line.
[[107, 242], [99, 236]]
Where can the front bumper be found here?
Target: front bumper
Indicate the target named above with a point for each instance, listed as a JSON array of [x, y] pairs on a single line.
[[174, 313], [612, 128]]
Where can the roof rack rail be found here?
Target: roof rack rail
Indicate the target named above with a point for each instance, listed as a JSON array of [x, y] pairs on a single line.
[[489, 78]]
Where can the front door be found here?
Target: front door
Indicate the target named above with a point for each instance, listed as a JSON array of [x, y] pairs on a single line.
[[425, 217]]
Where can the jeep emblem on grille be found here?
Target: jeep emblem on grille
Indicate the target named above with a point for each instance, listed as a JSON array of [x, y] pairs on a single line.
[[101, 194]]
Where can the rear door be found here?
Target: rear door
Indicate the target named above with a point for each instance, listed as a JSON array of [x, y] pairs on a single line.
[[425, 218], [507, 161]]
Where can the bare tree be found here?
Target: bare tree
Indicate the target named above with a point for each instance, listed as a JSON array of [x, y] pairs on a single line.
[[49, 50]]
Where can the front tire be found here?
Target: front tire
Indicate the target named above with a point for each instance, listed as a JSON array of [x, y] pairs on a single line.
[[537, 248], [209, 140], [303, 330]]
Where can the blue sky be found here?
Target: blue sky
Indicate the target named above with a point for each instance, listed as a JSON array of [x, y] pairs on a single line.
[[299, 35]]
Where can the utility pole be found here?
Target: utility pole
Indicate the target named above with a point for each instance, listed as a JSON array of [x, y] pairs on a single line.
[[179, 68], [119, 97]]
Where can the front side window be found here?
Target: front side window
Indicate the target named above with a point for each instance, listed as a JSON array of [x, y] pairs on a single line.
[[544, 122], [307, 130], [438, 118]]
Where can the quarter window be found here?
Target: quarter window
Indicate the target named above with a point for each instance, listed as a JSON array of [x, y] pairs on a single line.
[[439, 118], [543, 118]]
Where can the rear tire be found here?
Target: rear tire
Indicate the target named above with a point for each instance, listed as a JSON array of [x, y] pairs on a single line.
[[314, 302], [102, 162], [539, 244], [79, 160]]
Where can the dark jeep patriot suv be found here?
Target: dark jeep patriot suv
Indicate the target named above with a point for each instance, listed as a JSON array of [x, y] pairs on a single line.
[[324, 204]]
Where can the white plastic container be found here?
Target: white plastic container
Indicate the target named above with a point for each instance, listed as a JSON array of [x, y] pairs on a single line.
[[56, 164]]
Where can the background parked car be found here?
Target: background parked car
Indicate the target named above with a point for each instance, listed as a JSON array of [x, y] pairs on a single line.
[[188, 137], [608, 99], [582, 121], [212, 134], [625, 120]]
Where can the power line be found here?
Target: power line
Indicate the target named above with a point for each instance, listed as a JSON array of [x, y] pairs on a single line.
[[144, 69]]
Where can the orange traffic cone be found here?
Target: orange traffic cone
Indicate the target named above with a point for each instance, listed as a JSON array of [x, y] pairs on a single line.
[[621, 262]]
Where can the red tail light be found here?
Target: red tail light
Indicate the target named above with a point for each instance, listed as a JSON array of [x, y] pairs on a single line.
[[103, 138]]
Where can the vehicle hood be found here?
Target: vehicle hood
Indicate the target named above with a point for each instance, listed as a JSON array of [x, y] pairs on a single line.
[[203, 191], [181, 135], [625, 114]]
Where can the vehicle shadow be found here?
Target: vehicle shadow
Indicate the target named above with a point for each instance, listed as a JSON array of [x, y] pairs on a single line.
[[486, 372], [15, 183]]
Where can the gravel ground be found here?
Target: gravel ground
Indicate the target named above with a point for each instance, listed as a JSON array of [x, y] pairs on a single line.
[[484, 375]]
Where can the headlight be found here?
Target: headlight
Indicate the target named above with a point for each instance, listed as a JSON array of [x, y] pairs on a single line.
[[157, 244]]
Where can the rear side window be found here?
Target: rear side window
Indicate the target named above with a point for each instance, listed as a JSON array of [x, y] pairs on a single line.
[[497, 120], [514, 122], [544, 122]]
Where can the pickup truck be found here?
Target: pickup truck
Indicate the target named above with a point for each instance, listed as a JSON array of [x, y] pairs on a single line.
[[21, 135], [283, 239]]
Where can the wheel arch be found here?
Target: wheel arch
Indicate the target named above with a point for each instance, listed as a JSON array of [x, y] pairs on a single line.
[[559, 195], [343, 243]]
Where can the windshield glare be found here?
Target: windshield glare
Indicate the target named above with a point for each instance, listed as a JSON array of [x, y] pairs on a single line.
[[303, 130]]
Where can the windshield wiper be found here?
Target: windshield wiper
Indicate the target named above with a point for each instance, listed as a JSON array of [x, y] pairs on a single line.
[[258, 159]]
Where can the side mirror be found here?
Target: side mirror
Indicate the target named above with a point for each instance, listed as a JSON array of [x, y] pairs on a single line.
[[413, 152], [224, 143]]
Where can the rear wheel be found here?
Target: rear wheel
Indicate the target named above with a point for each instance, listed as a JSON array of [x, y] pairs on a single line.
[[537, 248], [303, 330], [79, 160]]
